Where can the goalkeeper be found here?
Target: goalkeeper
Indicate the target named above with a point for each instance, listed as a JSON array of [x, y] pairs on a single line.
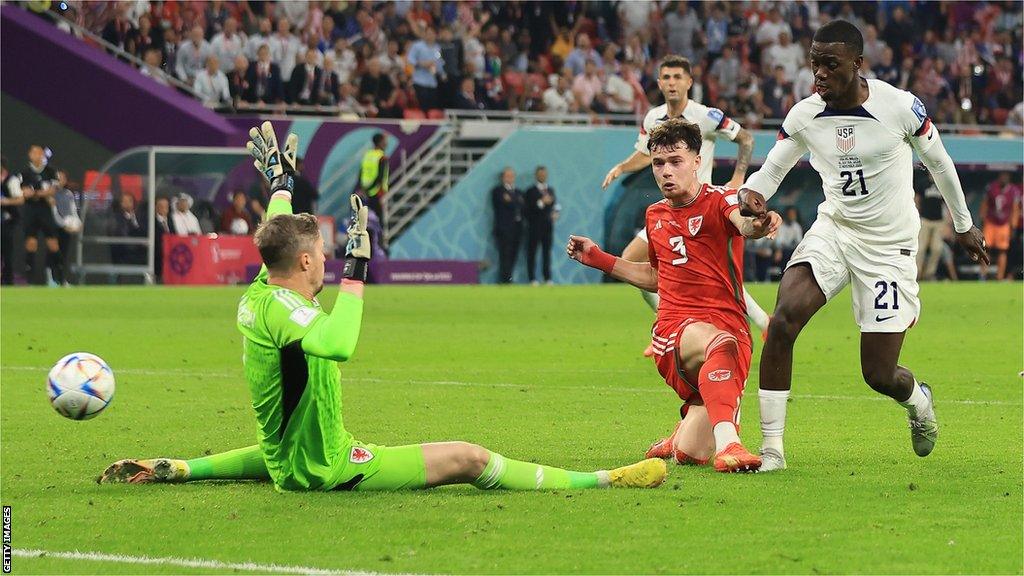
[[291, 354]]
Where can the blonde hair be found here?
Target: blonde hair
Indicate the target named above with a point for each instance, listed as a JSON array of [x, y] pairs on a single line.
[[281, 239]]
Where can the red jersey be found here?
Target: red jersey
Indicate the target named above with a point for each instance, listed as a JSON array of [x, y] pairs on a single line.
[[698, 254]]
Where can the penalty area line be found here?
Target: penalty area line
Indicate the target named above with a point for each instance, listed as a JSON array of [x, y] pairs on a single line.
[[184, 562]]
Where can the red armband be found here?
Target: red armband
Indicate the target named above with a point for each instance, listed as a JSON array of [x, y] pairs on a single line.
[[597, 258]]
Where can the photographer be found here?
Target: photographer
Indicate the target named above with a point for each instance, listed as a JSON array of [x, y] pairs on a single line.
[[38, 184]]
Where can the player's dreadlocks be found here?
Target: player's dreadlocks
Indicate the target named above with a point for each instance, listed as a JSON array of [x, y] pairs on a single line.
[[674, 132], [842, 32]]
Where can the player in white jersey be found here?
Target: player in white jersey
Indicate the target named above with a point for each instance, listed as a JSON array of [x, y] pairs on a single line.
[[861, 135], [674, 81]]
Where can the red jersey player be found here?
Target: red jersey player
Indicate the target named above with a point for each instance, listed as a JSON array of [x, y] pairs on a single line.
[[701, 342]]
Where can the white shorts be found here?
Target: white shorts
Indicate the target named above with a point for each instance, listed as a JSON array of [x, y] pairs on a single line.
[[883, 278], [642, 234]]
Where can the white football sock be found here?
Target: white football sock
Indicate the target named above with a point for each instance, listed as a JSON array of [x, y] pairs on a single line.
[[651, 298], [754, 311], [918, 404], [773, 417], [725, 434]]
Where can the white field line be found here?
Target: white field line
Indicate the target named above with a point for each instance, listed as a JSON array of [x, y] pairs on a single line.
[[184, 562], [469, 384]]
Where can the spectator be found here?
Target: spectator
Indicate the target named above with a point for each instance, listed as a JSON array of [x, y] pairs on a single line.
[[682, 27], [778, 93], [10, 208], [142, 39], [453, 58], [589, 88], [763, 256], [1001, 206], [119, 29], [507, 201], [183, 221], [211, 85], [786, 54], [69, 224], [238, 80], [803, 86], [38, 184], [559, 99], [285, 48], [716, 30], [329, 89], [263, 37], [348, 104], [227, 45], [899, 31], [264, 80], [577, 60], [377, 92], [466, 98], [428, 67], [933, 223], [392, 61], [162, 223], [169, 52], [788, 237], [305, 194], [769, 31], [125, 224], [191, 56], [617, 91], [540, 209], [236, 218], [726, 72], [344, 59], [304, 85], [151, 67], [885, 70]]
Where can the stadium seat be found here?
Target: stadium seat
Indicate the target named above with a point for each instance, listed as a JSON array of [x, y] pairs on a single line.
[[131, 184], [999, 116], [414, 114], [93, 180], [513, 82]]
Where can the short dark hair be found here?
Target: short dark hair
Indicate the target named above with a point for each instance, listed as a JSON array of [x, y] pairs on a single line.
[[378, 138], [283, 237], [841, 31], [674, 61], [674, 132]]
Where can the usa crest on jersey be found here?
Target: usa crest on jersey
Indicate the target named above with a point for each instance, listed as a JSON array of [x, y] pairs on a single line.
[[844, 139]]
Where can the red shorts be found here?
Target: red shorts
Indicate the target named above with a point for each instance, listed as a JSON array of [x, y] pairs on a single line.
[[665, 340]]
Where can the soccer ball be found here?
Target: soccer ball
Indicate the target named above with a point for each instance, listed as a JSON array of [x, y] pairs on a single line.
[[80, 385]]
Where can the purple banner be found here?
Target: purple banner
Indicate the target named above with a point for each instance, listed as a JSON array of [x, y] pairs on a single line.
[[426, 272]]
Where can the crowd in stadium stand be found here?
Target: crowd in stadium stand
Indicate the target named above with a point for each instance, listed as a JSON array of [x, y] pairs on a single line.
[[406, 58]]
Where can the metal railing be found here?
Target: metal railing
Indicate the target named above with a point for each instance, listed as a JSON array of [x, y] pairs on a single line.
[[425, 178]]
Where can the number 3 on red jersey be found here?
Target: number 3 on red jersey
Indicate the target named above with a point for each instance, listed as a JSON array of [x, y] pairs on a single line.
[[678, 246]]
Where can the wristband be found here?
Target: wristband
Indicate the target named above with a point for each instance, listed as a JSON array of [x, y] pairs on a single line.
[[601, 260], [355, 268]]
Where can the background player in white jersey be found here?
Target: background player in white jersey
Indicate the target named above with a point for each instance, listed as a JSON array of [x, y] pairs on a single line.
[[861, 135], [674, 81]]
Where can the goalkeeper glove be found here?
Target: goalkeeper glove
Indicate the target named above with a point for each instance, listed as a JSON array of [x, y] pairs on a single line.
[[357, 250], [276, 166]]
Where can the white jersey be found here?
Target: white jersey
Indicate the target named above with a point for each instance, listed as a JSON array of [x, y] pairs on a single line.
[[864, 158], [713, 124]]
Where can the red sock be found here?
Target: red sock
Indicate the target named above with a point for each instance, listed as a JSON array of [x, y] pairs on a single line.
[[719, 381]]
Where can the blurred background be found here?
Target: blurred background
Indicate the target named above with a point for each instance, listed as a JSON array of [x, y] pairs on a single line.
[[132, 117]]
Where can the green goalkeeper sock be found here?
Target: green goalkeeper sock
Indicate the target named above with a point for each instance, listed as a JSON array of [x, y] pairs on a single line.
[[241, 464], [502, 472]]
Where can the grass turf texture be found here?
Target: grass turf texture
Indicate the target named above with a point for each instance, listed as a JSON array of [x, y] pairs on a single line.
[[545, 374]]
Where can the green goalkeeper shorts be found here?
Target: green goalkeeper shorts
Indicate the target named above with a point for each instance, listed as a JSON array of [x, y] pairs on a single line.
[[372, 467]]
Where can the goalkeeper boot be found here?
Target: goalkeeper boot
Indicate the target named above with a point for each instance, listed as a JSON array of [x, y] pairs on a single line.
[[924, 428], [663, 448], [145, 471], [771, 460], [736, 458], [648, 473]]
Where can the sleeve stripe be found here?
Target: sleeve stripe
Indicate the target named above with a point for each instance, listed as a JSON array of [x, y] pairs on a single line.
[[925, 127], [724, 123], [782, 134]]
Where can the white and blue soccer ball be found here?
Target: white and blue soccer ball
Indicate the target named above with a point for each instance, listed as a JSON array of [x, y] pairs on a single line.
[[80, 385]]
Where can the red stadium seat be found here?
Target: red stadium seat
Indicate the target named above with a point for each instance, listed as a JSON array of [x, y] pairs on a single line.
[[414, 114], [513, 82], [93, 180], [435, 114], [999, 116], [131, 184]]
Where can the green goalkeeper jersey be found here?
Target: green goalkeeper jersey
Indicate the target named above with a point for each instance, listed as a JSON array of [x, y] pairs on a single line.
[[291, 350]]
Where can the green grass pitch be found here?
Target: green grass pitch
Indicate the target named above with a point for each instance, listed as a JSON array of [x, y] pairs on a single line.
[[545, 374]]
